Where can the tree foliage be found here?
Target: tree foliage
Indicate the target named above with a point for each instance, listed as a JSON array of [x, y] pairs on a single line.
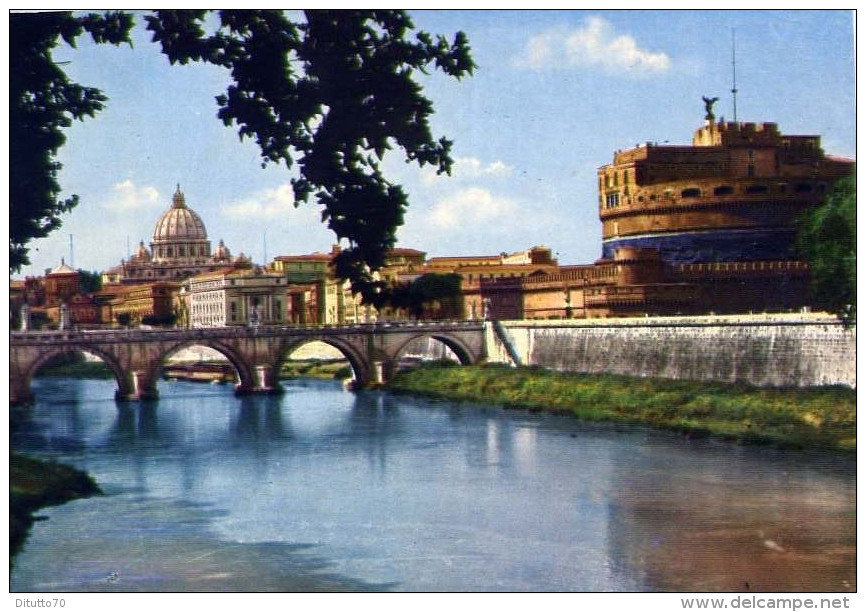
[[89, 282], [43, 101], [327, 95], [827, 240], [430, 294]]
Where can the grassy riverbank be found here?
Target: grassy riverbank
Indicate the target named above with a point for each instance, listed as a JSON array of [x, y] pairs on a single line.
[[35, 484], [817, 418], [316, 368]]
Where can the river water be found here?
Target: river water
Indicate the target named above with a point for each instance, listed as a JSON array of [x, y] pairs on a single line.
[[323, 489]]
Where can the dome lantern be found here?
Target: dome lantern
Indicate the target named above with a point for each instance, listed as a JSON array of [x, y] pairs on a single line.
[[178, 201]]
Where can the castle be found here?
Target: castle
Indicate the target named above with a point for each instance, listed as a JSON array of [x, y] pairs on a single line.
[[690, 230]]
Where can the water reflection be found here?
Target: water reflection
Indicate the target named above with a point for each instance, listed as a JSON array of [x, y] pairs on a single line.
[[323, 489], [259, 419], [723, 525]]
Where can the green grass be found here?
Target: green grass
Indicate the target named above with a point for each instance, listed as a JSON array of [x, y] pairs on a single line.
[[815, 418], [35, 484], [316, 368]]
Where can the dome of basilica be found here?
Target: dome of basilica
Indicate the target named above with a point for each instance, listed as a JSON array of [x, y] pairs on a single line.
[[178, 223]]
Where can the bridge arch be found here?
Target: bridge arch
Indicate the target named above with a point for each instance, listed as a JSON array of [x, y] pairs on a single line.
[[246, 377], [461, 351], [52, 353], [361, 367]]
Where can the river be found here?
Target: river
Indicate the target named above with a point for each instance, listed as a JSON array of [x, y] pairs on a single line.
[[323, 489]]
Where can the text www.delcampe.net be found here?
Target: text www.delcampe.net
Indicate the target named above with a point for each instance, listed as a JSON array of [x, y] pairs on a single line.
[[753, 602]]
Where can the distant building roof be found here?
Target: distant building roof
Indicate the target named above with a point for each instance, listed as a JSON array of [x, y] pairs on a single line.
[[63, 269], [310, 257], [404, 251]]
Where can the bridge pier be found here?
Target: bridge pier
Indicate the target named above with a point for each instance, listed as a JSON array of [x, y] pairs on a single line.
[[383, 371], [264, 382], [137, 388], [19, 394]]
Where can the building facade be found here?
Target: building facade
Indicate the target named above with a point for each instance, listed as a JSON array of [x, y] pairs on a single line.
[[318, 297], [134, 304], [481, 275], [233, 296]]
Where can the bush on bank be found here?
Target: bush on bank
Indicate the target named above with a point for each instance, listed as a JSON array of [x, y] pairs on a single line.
[[815, 418], [35, 484]]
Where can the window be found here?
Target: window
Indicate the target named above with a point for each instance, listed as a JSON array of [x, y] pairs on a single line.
[[803, 188], [756, 189], [612, 200], [723, 190], [691, 192]]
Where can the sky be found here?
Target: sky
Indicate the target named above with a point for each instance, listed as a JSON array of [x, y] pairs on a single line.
[[555, 94]]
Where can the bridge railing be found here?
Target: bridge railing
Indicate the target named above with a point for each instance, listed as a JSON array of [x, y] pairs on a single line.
[[114, 334]]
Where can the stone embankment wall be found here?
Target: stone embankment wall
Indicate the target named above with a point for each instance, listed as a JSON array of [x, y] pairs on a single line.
[[799, 350]]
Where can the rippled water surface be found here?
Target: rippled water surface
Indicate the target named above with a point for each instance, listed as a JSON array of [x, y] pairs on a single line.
[[321, 489]]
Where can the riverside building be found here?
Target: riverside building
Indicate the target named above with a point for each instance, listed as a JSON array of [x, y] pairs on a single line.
[[690, 229]]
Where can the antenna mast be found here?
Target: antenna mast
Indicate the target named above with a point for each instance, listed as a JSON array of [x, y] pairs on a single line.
[[734, 65], [71, 253]]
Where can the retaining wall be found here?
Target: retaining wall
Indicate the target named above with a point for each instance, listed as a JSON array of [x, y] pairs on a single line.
[[766, 350]]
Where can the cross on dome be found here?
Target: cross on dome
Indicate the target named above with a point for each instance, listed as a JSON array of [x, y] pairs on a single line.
[[178, 200]]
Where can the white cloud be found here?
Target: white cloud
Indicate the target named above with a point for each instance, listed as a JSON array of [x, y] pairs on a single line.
[[471, 167], [467, 168], [129, 196], [469, 206], [594, 44], [263, 204]]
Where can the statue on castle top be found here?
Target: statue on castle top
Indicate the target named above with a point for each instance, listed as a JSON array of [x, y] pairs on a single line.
[[708, 103]]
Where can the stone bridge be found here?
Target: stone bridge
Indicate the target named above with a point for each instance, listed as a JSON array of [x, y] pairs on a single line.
[[136, 357]]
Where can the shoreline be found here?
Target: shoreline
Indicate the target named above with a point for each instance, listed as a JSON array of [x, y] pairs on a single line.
[[35, 484], [811, 419]]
